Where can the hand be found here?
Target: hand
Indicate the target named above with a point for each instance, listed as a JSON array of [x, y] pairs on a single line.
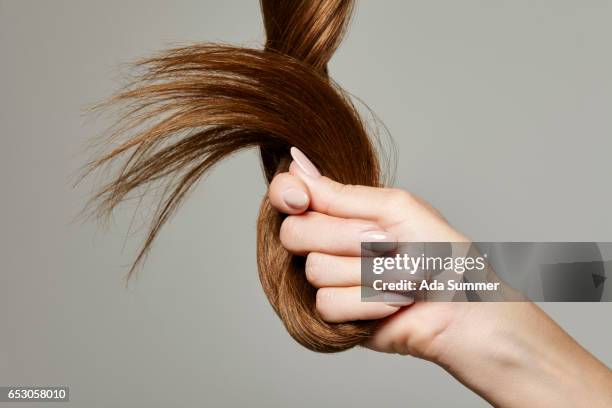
[[327, 223], [482, 344]]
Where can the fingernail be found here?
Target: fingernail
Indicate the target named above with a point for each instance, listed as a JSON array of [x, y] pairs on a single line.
[[295, 198], [376, 236], [373, 242], [398, 299], [304, 163]]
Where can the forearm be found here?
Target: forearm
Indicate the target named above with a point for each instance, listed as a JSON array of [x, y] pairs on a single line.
[[513, 354]]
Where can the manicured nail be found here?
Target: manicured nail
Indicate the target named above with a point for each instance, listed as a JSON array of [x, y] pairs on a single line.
[[398, 299], [295, 198], [304, 163], [376, 236], [376, 242]]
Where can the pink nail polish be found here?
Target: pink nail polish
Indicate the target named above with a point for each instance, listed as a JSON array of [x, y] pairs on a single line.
[[377, 236], [304, 163], [295, 198], [377, 242]]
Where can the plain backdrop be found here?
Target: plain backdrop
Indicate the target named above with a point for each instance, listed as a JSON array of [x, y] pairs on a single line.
[[501, 116]]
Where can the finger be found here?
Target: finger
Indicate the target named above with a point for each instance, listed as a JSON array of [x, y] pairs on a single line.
[[381, 205], [330, 270], [337, 305], [288, 194], [316, 232]]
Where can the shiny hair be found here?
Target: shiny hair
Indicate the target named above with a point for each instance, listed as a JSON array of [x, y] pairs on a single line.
[[190, 107]]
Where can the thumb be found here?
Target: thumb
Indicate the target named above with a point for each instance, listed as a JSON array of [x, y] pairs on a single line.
[[382, 205]]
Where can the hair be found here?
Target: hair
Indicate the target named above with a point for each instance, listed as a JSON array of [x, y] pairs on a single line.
[[192, 106]]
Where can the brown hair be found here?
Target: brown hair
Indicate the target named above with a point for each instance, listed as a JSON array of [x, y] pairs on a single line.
[[192, 106]]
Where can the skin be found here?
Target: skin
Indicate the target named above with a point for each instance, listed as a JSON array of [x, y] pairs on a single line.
[[510, 353]]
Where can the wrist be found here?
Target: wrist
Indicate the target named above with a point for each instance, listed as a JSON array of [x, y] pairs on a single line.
[[512, 354]]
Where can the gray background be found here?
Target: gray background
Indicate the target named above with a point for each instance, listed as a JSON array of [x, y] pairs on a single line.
[[501, 115]]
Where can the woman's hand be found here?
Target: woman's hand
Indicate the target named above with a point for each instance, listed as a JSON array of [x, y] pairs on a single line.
[[327, 223], [482, 344]]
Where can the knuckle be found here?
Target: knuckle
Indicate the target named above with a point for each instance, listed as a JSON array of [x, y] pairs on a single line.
[[314, 269], [339, 192], [288, 232], [324, 303], [399, 199]]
